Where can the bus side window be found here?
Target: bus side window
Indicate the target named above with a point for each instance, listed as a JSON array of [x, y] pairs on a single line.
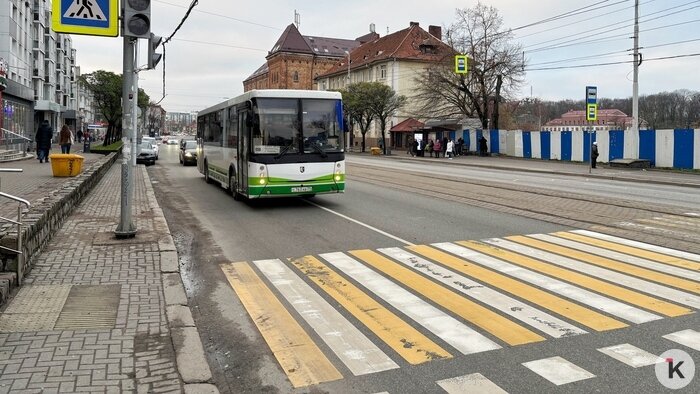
[[232, 133]]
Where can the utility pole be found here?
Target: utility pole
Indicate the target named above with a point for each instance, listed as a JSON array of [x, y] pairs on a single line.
[[634, 140], [126, 228]]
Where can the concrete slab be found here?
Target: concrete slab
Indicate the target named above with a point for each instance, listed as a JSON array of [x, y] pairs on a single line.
[[191, 361], [169, 262], [199, 388], [179, 316], [174, 290]]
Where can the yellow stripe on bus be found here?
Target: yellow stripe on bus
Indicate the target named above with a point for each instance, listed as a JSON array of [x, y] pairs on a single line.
[[300, 358], [645, 254], [568, 309], [408, 342], [625, 268], [497, 325], [609, 289]]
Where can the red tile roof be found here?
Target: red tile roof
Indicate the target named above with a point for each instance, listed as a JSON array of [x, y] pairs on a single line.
[[408, 125], [412, 43]]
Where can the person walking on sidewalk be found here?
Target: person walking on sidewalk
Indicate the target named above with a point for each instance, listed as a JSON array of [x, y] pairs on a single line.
[[450, 149], [43, 138], [65, 138], [594, 153]]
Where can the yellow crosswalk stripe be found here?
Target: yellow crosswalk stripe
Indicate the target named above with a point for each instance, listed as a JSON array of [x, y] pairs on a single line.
[[629, 269], [497, 325], [646, 254], [300, 358], [575, 312], [609, 289], [408, 342]]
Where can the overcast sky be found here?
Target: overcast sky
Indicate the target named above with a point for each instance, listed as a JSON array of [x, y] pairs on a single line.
[[223, 42]]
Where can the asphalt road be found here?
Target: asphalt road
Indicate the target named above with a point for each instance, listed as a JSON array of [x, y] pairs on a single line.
[[211, 229]]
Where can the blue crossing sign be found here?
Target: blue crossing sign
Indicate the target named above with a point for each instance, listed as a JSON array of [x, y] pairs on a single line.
[[88, 17]]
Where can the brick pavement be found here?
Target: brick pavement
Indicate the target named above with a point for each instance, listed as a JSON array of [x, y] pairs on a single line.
[[136, 352]]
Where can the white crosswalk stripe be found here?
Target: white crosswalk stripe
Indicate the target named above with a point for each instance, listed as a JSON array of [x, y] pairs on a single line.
[[536, 318], [630, 355], [597, 301], [558, 370], [641, 245], [472, 383], [356, 351], [449, 329], [689, 338], [603, 273]]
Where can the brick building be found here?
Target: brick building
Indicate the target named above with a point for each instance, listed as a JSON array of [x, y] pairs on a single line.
[[296, 60], [608, 119]]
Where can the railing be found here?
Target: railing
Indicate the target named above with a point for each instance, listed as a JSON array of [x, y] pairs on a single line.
[[18, 222], [7, 139]]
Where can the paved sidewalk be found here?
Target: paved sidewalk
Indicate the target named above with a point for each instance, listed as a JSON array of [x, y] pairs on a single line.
[[92, 313], [685, 178]]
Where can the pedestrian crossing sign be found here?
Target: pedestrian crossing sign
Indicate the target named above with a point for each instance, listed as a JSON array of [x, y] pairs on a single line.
[[591, 112], [461, 64], [88, 17]]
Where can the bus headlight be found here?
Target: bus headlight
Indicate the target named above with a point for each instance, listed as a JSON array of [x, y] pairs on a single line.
[[337, 175], [262, 178]]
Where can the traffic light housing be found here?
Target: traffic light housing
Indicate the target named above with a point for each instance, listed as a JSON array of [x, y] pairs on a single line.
[[153, 44], [136, 18]]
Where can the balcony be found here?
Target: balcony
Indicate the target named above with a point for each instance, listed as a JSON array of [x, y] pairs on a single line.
[[47, 31], [35, 74]]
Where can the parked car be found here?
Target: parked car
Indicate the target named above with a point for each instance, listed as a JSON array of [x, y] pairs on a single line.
[[188, 152], [146, 153], [153, 142], [172, 141]]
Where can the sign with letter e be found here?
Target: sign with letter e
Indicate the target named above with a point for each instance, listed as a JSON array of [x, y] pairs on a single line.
[[461, 64], [88, 17], [591, 112]]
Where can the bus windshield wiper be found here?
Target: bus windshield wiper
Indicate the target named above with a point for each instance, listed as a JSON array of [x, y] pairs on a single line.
[[284, 151], [319, 150]]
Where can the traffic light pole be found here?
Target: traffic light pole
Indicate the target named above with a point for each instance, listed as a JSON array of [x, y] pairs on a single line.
[[126, 228]]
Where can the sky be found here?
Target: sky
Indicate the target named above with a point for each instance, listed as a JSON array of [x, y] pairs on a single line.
[[223, 42]]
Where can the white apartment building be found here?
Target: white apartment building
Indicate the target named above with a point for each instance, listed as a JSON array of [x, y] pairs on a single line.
[[42, 76]]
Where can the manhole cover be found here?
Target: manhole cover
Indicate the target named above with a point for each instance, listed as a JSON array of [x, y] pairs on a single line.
[[90, 307]]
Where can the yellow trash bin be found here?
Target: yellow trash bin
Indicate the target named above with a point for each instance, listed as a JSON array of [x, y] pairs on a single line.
[[375, 150], [66, 164]]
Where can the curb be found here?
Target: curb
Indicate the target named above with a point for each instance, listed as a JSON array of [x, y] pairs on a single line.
[[552, 172], [191, 361]]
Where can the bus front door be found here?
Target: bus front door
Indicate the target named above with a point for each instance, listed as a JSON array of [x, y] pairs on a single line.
[[243, 136]]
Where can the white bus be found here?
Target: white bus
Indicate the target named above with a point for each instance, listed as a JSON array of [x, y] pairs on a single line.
[[274, 143]]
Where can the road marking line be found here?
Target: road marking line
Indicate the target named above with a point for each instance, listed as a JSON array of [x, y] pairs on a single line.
[[499, 326], [472, 383], [671, 222], [447, 328], [634, 297], [558, 370], [384, 233], [689, 338], [630, 355], [534, 317], [568, 309], [413, 346], [573, 241], [300, 358], [355, 350], [664, 252], [610, 264]]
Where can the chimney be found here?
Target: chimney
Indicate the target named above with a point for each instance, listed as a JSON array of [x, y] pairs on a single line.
[[414, 24], [435, 31], [371, 28]]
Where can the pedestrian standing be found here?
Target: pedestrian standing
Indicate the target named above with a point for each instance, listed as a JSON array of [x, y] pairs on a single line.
[[450, 149], [594, 154], [43, 138], [414, 148], [430, 147], [80, 135], [409, 147], [483, 147], [444, 146], [65, 139], [460, 146], [437, 147]]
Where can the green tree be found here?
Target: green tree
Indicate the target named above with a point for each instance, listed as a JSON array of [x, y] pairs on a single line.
[[383, 103], [106, 88], [356, 104]]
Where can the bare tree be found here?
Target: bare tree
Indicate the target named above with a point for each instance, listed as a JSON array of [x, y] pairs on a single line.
[[495, 69], [383, 104]]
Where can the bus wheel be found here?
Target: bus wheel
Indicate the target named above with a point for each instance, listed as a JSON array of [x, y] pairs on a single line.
[[206, 173], [232, 186]]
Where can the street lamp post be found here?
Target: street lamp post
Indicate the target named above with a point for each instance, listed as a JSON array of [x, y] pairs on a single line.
[[348, 53]]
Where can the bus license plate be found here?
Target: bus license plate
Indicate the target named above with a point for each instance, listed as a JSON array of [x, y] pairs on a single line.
[[301, 189]]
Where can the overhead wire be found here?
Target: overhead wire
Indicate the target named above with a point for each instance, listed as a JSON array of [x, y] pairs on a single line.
[[221, 16], [182, 21]]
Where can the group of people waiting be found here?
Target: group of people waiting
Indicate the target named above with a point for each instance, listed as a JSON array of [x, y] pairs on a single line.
[[445, 146], [44, 139]]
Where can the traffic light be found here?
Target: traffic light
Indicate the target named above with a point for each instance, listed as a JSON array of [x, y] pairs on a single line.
[[153, 44], [136, 20]]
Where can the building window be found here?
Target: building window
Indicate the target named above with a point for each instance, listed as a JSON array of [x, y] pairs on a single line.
[[382, 72], [295, 76]]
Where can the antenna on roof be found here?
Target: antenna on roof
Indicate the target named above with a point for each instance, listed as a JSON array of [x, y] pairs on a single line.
[[387, 30], [297, 19], [371, 28]]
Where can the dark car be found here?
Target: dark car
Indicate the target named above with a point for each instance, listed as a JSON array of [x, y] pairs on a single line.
[[146, 153], [188, 152]]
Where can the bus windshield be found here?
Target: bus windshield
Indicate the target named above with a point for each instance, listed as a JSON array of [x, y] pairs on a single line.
[[283, 131]]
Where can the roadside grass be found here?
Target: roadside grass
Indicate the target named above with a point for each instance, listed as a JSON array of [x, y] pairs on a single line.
[[115, 147]]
